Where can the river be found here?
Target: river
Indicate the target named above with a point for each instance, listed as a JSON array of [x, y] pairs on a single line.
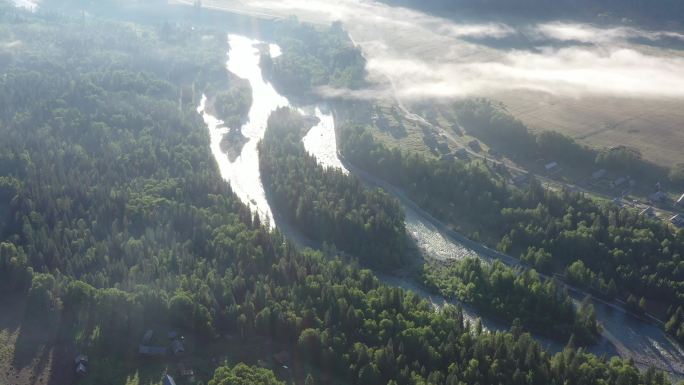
[[623, 334]]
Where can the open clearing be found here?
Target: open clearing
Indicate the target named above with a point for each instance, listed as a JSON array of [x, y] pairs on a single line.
[[27, 352], [655, 127]]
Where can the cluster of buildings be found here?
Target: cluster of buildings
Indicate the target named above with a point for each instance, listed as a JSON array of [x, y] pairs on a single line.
[[659, 197], [175, 347]]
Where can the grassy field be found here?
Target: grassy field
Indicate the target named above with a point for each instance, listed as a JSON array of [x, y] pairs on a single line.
[[655, 127], [393, 130], [390, 126]]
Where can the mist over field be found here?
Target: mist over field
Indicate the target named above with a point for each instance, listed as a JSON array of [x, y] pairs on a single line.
[[427, 56]]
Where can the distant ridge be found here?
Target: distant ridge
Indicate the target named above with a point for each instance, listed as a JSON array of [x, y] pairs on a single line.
[[648, 12]]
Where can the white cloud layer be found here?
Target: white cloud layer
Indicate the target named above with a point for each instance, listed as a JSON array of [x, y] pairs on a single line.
[[586, 33], [426, 56]]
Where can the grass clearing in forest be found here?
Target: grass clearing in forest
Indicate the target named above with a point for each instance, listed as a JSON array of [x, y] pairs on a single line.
[[654, 127]]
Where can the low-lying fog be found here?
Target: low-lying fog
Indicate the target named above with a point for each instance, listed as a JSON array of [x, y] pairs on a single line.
[[31, 5], [428, 56]]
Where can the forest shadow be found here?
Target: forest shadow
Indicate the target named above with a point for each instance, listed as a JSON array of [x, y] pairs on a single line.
[[33, 335], [25, 343]]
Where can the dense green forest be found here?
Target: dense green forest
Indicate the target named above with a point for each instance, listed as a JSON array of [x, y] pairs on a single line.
[[242, 374], [313, 57], [118, 219], [621, 251], [508, 294], [232, 105], [326, 204]]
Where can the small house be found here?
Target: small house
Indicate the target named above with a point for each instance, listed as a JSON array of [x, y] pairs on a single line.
[[168, 380], [177, 347], [147, 337], [599, 174], [657, 196], [152, 350], [619, 181], [81, 363], [677, 220], [551, 166], [518, 179], [461, 153], [186, 371], [680, 201]]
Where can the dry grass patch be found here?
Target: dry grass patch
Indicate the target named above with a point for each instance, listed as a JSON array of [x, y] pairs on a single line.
[[655, 127]]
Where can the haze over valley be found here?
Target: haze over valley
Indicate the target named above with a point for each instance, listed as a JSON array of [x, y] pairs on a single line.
[[341, 192]]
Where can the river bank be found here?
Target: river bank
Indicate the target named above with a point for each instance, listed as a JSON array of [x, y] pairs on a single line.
[[623, 335]]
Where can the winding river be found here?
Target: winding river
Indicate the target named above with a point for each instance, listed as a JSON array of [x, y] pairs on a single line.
[[623, 334]]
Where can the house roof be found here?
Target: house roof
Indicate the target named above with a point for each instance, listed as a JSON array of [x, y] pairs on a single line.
[[147, 336], [81, 368], [599, 173], [177, 347], [151, 350], [168, 380], [658, 195], [80, 358]]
